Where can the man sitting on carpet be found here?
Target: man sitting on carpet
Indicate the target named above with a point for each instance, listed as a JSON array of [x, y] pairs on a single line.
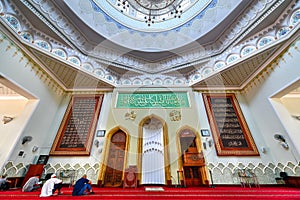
[[4, 183], [32, 184], [81, 186], [50, 186]]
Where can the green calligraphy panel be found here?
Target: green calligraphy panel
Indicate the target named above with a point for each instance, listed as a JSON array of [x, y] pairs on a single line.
[[153, 100]]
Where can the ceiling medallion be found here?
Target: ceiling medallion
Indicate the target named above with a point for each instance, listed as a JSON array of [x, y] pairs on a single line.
[[153, 10]]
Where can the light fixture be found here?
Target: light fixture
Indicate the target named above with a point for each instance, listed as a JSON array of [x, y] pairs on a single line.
[[26, 139], [263, 149], [282, 141], [96, 143], [153, 11], [34, 148], [296, 117], [7, 119]]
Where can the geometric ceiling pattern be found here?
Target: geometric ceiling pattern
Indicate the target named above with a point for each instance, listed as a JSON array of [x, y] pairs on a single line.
[[71, 78], [84, 47], [237, 75]]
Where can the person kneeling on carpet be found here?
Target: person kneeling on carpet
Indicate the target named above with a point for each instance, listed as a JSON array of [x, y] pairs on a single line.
[[32, 184], [50, 186], [82, 187], [4, 183]]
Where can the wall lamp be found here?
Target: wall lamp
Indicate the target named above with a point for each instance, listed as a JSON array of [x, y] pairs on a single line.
[[7, 119], [282, 141], [296, 117], [26, 139]]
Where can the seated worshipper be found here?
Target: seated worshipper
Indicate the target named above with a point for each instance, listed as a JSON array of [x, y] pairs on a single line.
[[32, 184], [4, 183], [82, 187], [50, 186]]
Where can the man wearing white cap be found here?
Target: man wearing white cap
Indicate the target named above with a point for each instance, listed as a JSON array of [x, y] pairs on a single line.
[[50, 186]]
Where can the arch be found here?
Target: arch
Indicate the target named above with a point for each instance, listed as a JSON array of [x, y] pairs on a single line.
[[166, 149], [75, 60], [13, 22], [232, 58], [198, 146], [106, 148]]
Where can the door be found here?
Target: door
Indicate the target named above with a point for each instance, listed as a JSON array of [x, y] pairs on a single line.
[[115, 161], [192, 176]]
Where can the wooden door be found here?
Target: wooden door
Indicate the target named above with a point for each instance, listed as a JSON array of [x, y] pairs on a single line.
[[192, 176], [115, 161]]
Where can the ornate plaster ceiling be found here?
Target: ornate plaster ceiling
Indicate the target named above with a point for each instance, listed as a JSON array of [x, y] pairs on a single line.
[[225, 38]]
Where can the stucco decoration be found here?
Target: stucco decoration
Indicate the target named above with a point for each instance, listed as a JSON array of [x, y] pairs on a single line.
[[175, 115], [288, 23], [222, 173], [130, 115], [131, 32]]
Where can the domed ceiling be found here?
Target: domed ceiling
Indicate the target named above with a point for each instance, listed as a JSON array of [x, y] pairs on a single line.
[[187, 43], [127, 27]]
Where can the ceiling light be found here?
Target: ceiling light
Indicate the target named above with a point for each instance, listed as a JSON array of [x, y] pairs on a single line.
[[153, 11]]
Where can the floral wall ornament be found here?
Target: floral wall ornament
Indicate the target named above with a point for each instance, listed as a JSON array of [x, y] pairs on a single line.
[[130, 115], [175, 115]]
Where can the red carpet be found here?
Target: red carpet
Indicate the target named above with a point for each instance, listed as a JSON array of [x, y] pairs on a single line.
[[224, 193]]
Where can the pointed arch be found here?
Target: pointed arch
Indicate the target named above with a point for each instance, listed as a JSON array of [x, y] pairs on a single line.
[[106, 148], [197, 146], [198, 142], [165, 147]]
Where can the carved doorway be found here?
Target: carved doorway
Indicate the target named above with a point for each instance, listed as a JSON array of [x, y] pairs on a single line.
[[192, 159], [153, 163], [115, 161]]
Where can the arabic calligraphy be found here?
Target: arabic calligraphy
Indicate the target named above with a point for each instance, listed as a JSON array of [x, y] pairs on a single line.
[[77, 128], [230, 130], [153, 100]]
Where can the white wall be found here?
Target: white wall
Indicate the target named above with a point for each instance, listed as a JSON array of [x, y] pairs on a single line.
[[9, 131], [292, 105], [267, 115], [38, 118]]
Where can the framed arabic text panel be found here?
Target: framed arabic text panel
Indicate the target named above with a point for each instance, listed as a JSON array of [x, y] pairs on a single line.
[[229, 129], [77, 129], [153, 100]]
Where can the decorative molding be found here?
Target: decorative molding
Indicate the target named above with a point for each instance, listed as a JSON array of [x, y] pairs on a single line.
[[130, 115], [288, 22], [175, 115], [42, 75], [223, 173], [226, 173], [261, 76]]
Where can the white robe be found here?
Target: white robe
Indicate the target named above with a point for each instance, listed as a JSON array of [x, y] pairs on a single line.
[[49, 186]]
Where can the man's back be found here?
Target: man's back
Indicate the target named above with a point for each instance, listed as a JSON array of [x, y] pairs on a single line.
[[29, 184]]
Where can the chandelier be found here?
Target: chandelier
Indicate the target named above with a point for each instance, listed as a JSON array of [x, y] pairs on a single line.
[[153, 11]]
